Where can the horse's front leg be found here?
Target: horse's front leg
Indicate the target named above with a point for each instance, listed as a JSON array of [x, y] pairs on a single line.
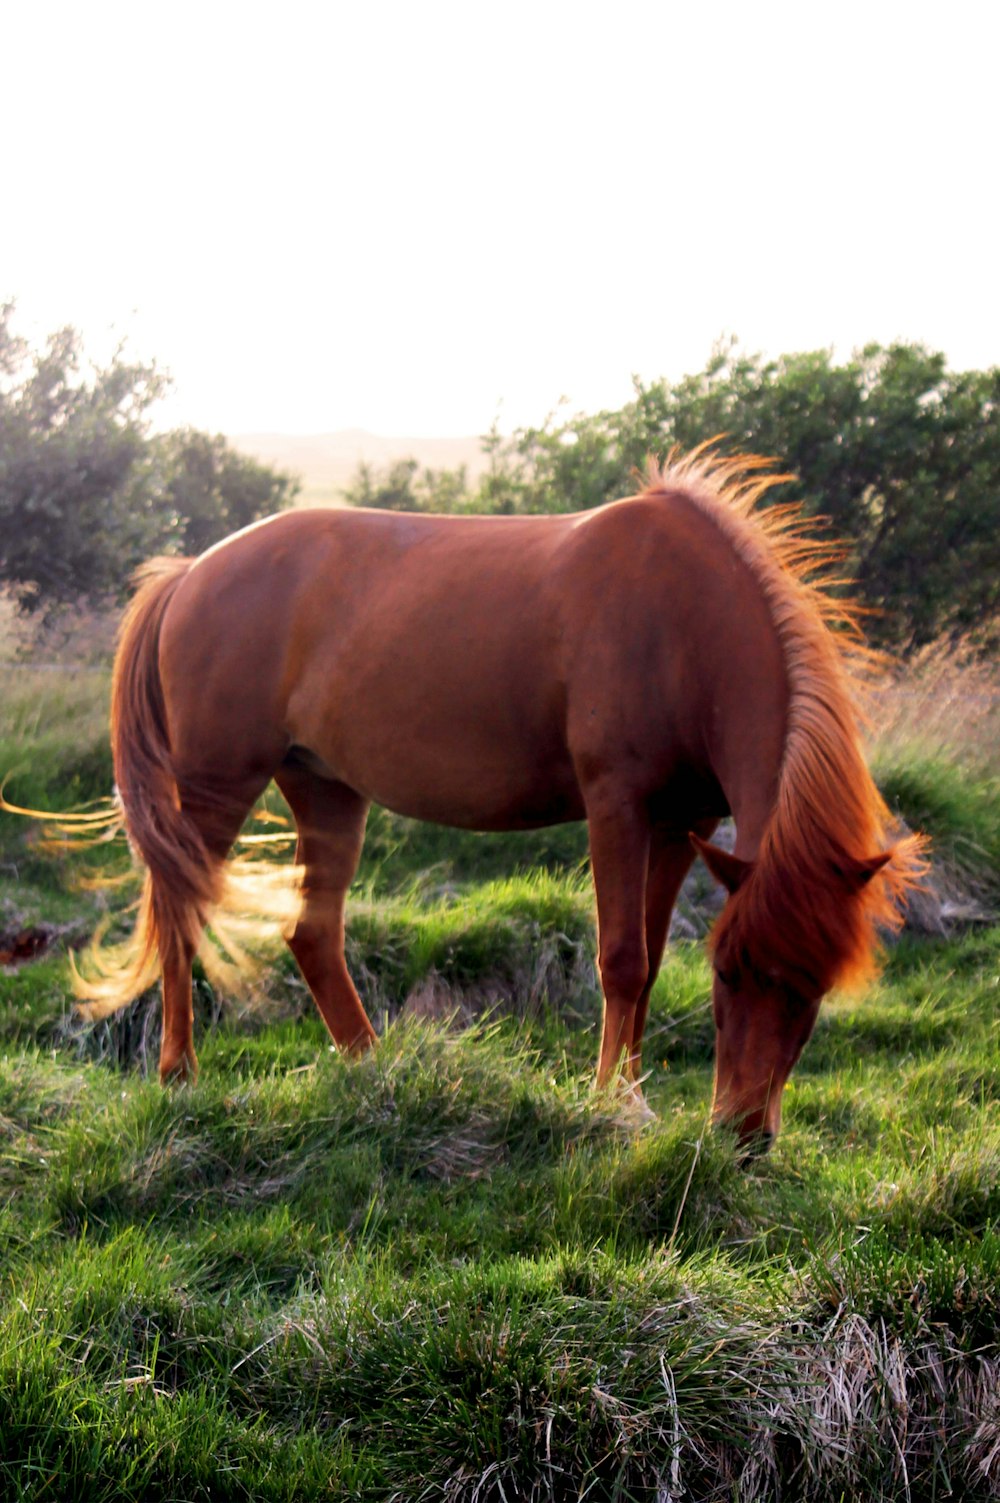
[[670, 858], [619, 855]]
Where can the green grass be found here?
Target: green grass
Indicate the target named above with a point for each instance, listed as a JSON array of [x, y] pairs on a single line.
[[936, 758], [957, 807], [53, 736], [452, 1271]]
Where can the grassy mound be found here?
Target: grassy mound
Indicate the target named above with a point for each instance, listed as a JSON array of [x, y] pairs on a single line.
[[451, 1271]]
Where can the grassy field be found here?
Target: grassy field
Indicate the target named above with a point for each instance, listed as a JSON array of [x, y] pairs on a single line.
[[452, 1271]]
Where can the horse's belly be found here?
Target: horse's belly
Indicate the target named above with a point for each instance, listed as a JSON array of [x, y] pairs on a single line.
[[460, 721], [487, 808], [468, 781]]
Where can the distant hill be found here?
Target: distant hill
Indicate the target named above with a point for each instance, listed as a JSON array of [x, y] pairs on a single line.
[[327, 462]]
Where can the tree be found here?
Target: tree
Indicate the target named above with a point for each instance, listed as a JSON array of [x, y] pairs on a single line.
[[201, 490], [69, 446], [403, 486], [902, 455], [86, 493]]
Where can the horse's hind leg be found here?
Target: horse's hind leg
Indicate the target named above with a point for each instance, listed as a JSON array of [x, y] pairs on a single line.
[[178, 1061], [218, 818], [330, 818]]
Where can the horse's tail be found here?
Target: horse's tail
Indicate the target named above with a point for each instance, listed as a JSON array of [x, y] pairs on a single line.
[[182, 881], [185, 884]]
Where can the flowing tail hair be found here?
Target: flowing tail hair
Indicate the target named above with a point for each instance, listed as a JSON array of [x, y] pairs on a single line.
[[185, 885], [182, 883]]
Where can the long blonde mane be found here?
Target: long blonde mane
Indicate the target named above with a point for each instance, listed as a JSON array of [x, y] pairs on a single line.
[[811, 906]]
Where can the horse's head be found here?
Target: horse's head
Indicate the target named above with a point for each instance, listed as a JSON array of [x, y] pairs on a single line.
[[764, 1010], [761, 1027]]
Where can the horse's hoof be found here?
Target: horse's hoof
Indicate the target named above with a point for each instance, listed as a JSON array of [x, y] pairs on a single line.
[[179, 1072], [636, 1109]]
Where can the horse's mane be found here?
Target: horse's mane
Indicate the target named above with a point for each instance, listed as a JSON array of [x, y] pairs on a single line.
[[810, 906]]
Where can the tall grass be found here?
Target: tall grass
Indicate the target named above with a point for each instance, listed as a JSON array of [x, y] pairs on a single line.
[[54, 734], [943, 703], [936, 756]]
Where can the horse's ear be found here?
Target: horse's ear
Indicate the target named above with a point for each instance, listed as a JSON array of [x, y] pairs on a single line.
[[857, 874], [727, 869]]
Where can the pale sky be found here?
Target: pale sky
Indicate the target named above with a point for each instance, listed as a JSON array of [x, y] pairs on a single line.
[[406, 217]]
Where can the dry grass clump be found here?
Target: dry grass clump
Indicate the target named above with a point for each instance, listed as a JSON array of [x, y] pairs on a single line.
[[936, 756], [944, 702]]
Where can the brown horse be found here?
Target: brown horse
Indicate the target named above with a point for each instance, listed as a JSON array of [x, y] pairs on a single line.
[[651, 666]]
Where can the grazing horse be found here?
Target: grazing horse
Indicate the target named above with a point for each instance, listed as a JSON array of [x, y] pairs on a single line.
[[650, 666]]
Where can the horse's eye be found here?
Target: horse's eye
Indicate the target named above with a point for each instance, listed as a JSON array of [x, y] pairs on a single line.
[[728, 978]]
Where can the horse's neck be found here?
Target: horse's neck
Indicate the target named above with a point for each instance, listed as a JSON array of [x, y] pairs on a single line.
[[747, 738], [725, 671]]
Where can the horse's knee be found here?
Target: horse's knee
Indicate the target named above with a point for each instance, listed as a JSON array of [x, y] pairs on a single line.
[[317, 934], [624, 972]]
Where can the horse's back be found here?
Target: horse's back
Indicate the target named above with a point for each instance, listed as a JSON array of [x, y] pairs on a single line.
[[405, 654], [468, 670]]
